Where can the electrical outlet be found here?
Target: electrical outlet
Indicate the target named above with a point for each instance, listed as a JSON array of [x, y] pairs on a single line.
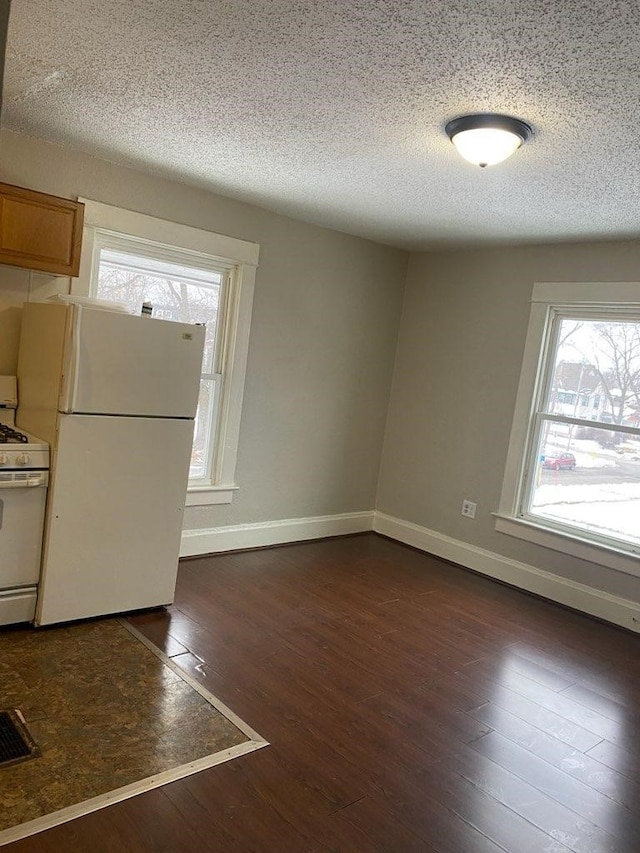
[[469, 509]]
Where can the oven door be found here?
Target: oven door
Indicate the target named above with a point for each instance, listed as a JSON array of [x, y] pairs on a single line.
[[22, 503]]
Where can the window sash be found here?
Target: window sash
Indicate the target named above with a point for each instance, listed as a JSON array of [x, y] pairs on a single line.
[[211, 421], [144, 248], [540, 415]]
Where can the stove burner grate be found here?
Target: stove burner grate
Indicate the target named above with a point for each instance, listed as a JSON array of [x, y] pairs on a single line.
[[9, 435]]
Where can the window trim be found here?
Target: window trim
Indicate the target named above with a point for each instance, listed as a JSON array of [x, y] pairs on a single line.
[[547, 297], [240, 257]]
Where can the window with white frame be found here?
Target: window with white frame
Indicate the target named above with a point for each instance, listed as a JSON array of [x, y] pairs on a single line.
[[573, 471], [190, 276]]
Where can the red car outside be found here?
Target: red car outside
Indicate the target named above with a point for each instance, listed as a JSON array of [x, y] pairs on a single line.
[[562, 461]]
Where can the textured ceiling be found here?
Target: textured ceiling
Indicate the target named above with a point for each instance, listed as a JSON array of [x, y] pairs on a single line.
[[332, 111]]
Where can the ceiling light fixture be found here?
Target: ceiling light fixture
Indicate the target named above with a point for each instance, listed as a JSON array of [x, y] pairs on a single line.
[[487, 139]]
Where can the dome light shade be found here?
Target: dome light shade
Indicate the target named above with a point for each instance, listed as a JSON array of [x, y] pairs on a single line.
[[487, 139]]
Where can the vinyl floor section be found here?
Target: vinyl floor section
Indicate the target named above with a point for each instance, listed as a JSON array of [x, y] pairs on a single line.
[[105, 712], [410, 706]]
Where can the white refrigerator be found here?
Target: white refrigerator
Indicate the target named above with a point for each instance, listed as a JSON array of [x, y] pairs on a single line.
[[115, 395]]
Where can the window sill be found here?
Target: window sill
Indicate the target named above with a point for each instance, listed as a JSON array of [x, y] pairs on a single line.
[[209, 495], [583, 549]]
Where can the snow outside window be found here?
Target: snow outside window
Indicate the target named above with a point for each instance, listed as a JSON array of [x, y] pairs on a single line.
[[573, 470]]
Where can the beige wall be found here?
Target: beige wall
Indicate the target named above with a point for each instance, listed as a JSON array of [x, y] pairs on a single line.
[[323, 335], [458, 365]]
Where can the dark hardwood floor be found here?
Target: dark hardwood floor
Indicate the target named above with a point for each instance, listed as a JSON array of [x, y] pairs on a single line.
[[410, 706]]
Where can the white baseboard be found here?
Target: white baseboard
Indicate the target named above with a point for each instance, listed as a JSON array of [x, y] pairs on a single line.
[[611, 608], [238, 536]]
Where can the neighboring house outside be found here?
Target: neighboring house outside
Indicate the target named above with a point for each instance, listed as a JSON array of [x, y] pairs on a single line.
[[579, 390]]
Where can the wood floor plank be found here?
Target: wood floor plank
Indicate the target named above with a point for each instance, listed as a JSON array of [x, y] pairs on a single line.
[[575, 666], [572, 793], [500, 667], [564, 706], [625, 761], [384, 823], [149, 823], [237, 817], [541, 718], [573, 762], [614, 684], [475, 805], [532, 807], [603, 705]]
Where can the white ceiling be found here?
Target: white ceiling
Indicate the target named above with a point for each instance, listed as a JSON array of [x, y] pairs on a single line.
[[332, 111]]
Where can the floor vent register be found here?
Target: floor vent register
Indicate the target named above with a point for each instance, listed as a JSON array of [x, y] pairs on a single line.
[[16, 744]]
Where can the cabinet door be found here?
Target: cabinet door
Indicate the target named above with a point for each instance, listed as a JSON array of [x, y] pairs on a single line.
[[40, 232]]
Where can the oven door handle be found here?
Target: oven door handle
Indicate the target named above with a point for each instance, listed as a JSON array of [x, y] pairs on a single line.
[[39, 479]]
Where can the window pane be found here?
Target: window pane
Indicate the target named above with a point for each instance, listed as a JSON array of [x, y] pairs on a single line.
[[596, 372], [202, 445], [588, 478]]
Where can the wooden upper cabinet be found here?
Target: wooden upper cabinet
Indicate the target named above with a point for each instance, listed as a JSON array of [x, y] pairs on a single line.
[[40, 232]]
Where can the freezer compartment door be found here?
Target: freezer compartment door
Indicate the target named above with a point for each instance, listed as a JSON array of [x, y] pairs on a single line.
[[114, 517], [119, 364]]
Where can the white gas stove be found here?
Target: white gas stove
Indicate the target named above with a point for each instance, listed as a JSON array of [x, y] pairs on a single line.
[[24, 477]]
